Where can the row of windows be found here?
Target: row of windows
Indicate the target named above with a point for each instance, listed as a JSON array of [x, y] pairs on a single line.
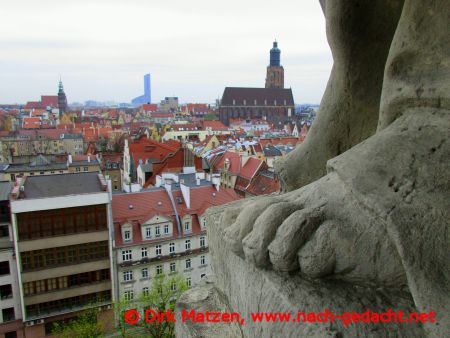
[[61, 221], [129, 295], [255, 102], [148, 233], [50, 284], [67, 303], [127, 255], [73, 254], [159, 269]]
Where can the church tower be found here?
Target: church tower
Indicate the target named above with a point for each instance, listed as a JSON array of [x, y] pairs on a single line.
[[275, 72], [62, 100]]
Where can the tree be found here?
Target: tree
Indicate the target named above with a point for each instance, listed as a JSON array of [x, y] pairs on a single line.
[[162, 296], [85, 325], [210, 117]]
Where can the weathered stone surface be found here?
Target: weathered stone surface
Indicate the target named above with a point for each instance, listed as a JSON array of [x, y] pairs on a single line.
[[374, 232], [360, 34], [250, 289], [201, 299]]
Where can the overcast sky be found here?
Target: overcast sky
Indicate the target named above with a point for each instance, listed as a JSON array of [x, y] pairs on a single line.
[[192, 48]]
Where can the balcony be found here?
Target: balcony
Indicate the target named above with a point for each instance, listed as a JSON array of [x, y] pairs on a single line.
[[33, 315]]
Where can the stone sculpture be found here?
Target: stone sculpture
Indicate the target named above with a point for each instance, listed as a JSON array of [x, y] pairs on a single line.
[[365, 220]]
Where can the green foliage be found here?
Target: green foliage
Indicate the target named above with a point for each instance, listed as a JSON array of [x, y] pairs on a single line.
[[210, 117], [163, 295], [85, 325]]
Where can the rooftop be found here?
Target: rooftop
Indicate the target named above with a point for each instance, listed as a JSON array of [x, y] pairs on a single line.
[[46, 186]]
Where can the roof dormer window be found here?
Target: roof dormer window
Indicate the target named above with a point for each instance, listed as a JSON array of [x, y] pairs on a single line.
[[127, 234]]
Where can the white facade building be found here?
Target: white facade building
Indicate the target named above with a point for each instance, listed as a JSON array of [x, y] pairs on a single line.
[[163, 231]]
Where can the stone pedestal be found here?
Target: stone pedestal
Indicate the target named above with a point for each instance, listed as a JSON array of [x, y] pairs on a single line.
[[241, 287]]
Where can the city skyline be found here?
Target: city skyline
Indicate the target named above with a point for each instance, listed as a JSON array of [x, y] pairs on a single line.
[[103, 51]]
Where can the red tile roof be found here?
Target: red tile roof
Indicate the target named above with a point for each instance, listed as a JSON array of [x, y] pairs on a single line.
[[34, 105], [148, 107], [196, 107], [137, 208], [235, 162], [251, 167], [214, 125], [263, 185], [49, 100], [145, 148]]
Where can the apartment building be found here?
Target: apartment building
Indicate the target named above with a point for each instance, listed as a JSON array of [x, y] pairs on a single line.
[[10, 311], [61, 239], [163, 231]]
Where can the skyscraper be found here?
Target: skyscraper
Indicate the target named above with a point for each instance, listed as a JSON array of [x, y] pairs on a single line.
[[275, 71], [146, 98], [62, 99]]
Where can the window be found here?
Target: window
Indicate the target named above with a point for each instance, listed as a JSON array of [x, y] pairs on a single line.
[[187, 244], [127, 276], [127, 235], [202, 275], [126, 255], [4, 268], [129, 295], [171, 248], [159, 269], [77, 169], [188, 282], [11, 334], [148, 232], [145, 273], [188, 263], [158, 250], [157, 231], [144, 252], [202, 242], [6, 291], [173, 267], [187, 226], [202, 260], [8, 314], [145, 291], [85, 168], [166, 229], [173, 287], [204, 223]]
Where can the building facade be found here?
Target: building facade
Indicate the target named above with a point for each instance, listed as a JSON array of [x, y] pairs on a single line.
[[275, 105], [10, 310], [163, 231], [61, 237]]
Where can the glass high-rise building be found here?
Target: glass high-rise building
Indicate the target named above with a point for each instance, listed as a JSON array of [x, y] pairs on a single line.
[[146, 98]]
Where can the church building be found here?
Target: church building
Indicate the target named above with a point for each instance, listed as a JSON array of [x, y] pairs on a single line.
[[273, 103]]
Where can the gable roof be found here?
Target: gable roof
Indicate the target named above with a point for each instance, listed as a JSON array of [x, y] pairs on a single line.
[[239, 94]]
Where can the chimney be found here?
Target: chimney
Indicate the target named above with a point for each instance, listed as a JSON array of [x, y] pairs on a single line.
[[89, 158], [69, 158], [198, 180], [186, 192], [216, 181]]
